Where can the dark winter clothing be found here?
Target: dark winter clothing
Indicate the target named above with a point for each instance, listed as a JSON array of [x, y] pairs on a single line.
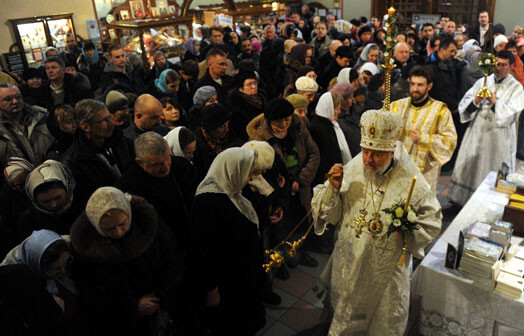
[[74, 90], [208, 81], [90, 164], [244, 109], [171, 196], [323, 133], [130, 80], [216, 224], [30, 144], [446, 81], [113, 274], [132, 131]]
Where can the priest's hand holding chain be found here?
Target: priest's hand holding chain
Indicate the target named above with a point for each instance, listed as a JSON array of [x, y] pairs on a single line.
[[336, 175]]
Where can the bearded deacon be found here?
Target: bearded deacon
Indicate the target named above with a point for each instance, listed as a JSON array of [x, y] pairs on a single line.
[[428, 132], [491, 137], [369, 292]]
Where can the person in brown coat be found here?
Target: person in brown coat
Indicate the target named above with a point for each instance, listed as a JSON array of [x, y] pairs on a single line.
[[297, 158]]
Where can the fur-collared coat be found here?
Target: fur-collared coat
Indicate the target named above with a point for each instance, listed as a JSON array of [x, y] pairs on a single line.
[[308, 153], [113, 274]]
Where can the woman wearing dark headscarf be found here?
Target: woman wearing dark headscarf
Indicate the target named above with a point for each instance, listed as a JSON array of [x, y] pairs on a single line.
[[92, 64], [223, 221], [245, 102], [127, 267], [50, 189], [299, 56], [45, 255], [192, 49]]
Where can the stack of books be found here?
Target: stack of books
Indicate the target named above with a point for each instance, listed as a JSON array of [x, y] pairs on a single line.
[[479, 257], [508, 277]]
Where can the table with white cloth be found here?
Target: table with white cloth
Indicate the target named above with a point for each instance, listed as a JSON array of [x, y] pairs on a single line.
[[459, 303]]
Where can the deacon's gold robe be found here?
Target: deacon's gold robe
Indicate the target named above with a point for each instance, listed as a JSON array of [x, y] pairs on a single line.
[[438, 137]]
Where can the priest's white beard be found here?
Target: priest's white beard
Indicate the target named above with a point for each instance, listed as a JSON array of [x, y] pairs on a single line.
[[377, 177]]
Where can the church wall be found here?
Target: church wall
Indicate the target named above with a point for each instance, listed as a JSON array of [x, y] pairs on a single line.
[[509, 13]]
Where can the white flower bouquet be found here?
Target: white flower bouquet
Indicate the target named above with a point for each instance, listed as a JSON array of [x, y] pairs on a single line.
[[399, 220]]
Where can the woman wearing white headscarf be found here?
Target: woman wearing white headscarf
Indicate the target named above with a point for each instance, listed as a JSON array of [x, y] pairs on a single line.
[[328, 135], [126, 264], [228, 253], [370, 53], [50, 188]]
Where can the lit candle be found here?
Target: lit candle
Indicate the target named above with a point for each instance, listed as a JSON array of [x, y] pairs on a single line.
[[391, 11], [410, 192]]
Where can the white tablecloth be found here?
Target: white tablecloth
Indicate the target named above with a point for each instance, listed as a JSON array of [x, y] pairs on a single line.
[[459, 303]]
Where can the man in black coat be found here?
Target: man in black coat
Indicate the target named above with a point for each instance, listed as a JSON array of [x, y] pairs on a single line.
[[71, 52], [216, 74], [119, 71], [163, 180], [342, 60], [62, 88], [188, 74], [100, 153], [147, 117], [446, 71], [479, 31], [323, 62]]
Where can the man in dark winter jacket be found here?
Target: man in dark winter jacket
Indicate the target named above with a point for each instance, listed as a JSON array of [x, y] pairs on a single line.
[[71, 52], [162, 180], [120, 71], [23, 129], [342, 60], [216, 74], [63, 88], [447, 70], [148, 117], [100, 153], [188, 74]]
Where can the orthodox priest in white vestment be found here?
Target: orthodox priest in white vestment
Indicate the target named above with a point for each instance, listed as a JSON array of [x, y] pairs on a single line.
[[491, 137], [368, 291]]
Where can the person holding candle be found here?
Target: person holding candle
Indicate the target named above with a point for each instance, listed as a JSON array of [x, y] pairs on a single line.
[[369, 291]]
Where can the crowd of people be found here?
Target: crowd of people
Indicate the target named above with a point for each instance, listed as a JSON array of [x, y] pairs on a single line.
[[139, 200]]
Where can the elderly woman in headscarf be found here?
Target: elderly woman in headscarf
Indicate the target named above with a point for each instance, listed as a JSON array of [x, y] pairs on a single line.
[[370, 53], [348, 120], [471, 72], [328, 135], [50, 189], [127, 267], [204, 96], [45, 255], [192, 49], [225, 225]]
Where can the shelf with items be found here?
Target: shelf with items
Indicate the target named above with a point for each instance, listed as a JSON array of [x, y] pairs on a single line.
[[34, 35]]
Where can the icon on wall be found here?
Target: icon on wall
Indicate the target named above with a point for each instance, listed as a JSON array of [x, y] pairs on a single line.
[[137, 9]]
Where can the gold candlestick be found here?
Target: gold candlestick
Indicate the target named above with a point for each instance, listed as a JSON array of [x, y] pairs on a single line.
[[391, 11]]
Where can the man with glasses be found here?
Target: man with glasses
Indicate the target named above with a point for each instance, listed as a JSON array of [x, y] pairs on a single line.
[[491, 138], [23, 129], [100, 152]]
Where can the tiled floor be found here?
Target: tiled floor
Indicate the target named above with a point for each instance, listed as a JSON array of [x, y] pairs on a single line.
[[301, 311]]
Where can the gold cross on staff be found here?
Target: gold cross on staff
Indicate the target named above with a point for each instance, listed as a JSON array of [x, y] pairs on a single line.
[[360, 221]]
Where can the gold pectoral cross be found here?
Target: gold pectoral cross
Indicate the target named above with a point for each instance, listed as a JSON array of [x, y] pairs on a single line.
[[360, 221]]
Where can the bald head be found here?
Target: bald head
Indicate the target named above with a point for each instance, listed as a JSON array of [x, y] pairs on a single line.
[[401, 52], [148, 111], [334, 46]]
